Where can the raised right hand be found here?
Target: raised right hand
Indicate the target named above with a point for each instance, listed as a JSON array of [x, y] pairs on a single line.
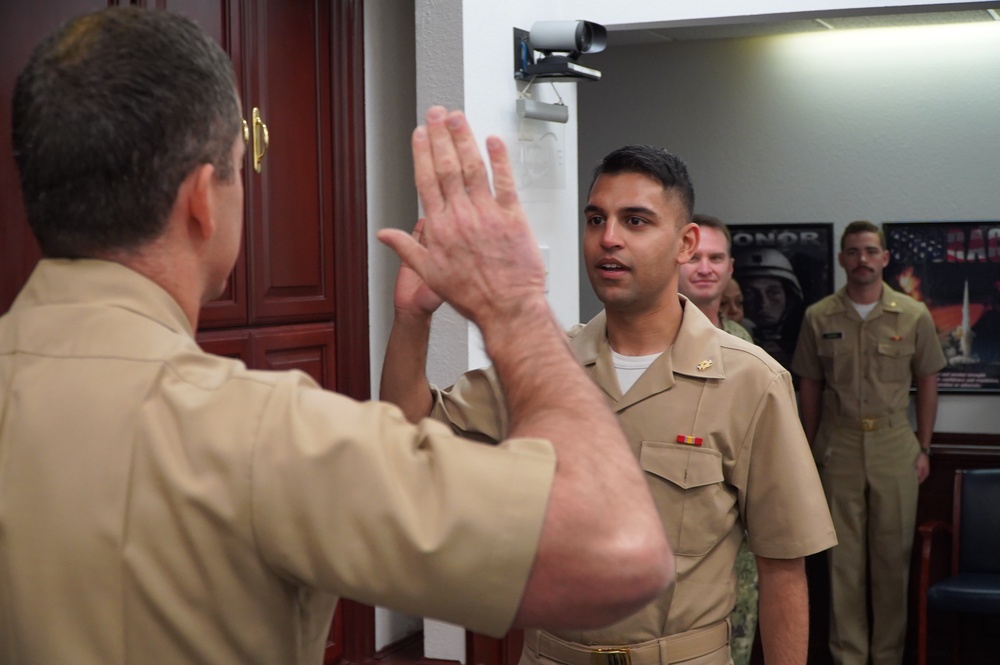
[[476, 249], [412, 295]]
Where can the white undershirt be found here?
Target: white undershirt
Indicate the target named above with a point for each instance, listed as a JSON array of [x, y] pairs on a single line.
[[863, 310], [630, 368]]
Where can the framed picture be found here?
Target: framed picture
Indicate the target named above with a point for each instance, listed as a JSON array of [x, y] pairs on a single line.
[[954, 269], [781, 269]]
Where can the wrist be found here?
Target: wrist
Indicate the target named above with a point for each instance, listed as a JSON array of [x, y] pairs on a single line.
[[925, 450]]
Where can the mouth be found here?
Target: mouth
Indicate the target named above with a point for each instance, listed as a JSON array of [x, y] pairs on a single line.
[[611, 267]]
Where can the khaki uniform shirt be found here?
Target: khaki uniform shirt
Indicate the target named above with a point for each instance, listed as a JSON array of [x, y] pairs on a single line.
[[867, 364], [162, 505], [747, 464]]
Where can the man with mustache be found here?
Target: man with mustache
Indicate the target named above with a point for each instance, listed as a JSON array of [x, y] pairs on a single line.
[[857, 354]]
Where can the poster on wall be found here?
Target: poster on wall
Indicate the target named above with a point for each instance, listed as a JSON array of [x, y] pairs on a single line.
[[954, 269], [781, 269]]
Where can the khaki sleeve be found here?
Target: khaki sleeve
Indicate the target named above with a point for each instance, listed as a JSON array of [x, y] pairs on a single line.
[[929, 357], [474, 406], [350, 498], [786, 511], [805, 362]]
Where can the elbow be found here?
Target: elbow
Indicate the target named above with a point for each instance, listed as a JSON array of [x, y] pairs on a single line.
[[607, 582], [637, 570], [650, 571]]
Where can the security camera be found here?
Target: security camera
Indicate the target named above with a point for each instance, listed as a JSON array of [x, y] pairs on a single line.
[[568, 36], [561, 43]]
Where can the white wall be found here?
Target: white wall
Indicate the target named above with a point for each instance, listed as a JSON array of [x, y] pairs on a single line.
[[884, 124], [390, 95]]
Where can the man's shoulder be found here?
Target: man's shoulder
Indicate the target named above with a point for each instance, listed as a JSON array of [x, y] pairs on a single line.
[[893, 299], [744, 358], [828, 304]]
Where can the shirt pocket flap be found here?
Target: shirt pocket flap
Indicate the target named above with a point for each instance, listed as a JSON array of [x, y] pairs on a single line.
[[684, 466], [896, 349]]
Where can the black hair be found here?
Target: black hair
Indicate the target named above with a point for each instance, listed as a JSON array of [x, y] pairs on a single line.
[[660, 165]]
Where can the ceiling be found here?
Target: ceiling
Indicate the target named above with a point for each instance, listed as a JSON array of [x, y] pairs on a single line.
[[766, 28]]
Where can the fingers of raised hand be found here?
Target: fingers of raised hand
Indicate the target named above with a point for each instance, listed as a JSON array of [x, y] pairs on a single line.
[[448, 168], [503, 173], [475, 182], [424, 175], [410, 251]]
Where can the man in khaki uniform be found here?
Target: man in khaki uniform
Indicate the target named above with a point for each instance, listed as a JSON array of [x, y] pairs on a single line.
[[708, 274], [703, 280], [710, 417], [162, 505], [857, 354]]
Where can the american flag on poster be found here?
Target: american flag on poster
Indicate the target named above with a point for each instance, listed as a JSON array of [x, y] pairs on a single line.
[[954, 269]]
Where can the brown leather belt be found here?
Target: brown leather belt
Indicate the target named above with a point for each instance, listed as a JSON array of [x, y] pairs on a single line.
[[872, 424], [666, 650]]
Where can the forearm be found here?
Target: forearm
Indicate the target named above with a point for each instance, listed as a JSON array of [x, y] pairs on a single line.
[[926, 407], [810, 406], [784, 610], [596, 518], [404, 377]]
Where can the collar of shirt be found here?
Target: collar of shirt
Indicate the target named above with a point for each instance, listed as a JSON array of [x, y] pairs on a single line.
[[104, 284], [696, 353]]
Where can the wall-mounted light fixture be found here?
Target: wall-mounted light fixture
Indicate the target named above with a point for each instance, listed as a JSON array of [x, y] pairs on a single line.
[[530, 108]]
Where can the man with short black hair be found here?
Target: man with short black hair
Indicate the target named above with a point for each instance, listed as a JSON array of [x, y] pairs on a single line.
[[710, 417]]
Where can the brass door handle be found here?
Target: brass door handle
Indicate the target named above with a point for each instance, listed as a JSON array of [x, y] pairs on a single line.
[[260, 140]]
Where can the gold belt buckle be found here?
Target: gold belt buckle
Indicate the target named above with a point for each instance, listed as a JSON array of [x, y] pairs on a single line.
[[868, 424], [610, 657]]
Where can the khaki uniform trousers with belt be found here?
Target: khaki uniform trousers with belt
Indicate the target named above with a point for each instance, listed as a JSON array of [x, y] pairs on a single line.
[[701, 646], [867, 469]]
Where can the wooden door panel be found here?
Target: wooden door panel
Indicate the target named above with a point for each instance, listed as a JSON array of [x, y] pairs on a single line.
[[308, 347], [290, 242], [228, 343]]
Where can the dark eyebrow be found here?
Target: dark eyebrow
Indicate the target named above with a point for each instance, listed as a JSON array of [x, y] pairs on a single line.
[[629, 210], [639, 210]]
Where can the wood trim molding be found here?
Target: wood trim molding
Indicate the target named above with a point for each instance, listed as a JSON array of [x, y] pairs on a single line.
[[350, 215]]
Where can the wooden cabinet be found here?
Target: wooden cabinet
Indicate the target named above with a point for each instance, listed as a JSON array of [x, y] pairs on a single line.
[[309, 347]]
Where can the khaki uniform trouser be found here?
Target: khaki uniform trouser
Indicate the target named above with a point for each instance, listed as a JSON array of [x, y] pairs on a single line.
[[871, 487], [701, 646]]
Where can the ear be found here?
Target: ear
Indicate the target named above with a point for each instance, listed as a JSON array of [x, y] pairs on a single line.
[[840, 260], [689, 237], [885, 258], [200, 194], [732, 262]]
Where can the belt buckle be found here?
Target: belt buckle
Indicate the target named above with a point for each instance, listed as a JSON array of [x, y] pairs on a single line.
[[610, 657], [868, 424]]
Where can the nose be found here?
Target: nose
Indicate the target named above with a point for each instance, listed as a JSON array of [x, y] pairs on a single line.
[[610, 237]]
